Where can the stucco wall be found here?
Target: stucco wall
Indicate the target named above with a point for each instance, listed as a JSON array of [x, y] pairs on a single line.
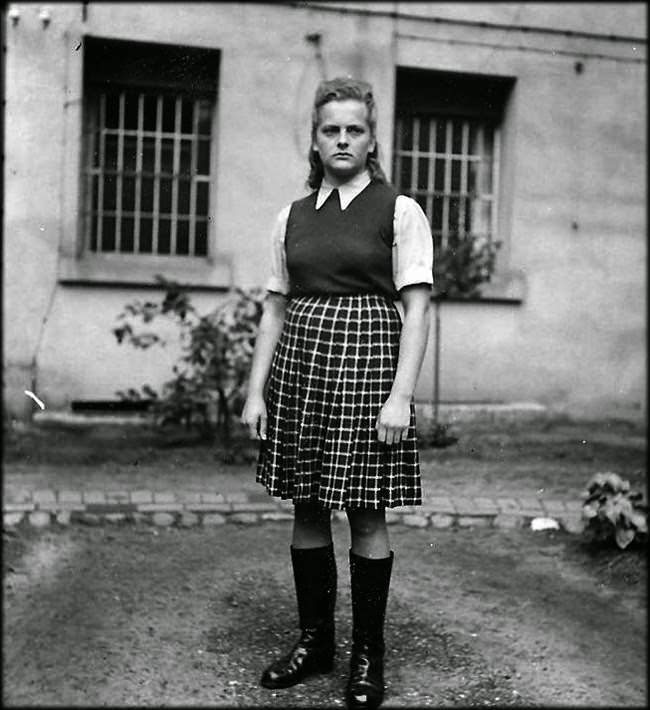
[[573, 187]]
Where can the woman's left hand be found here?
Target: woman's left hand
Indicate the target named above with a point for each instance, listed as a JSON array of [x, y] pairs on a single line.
[[393, 420]]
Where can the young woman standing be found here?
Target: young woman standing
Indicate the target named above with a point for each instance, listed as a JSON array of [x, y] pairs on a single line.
[[332, 380]]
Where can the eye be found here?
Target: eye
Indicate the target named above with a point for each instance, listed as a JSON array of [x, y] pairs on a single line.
[[329, 130], [356, 130]]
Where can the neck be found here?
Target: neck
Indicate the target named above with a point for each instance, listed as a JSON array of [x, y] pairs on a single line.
[[339, 180]]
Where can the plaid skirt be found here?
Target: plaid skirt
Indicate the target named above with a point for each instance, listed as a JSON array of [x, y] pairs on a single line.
[[332, 370]]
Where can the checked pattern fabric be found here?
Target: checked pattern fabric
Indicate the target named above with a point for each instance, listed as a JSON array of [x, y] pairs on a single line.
[[332, 371]]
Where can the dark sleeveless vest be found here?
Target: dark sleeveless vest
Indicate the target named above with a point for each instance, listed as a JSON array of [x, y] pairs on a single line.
[[342, 252]]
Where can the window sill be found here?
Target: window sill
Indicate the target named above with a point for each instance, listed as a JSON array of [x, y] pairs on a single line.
[[508, 287], [128, 270]]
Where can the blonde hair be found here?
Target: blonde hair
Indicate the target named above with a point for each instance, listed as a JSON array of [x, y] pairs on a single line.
[[340, 89]]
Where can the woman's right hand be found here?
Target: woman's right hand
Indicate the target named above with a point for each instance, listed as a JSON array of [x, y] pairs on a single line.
[[254, 416]]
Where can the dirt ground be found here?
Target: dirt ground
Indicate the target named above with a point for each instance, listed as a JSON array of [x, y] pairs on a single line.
[[138, 616]]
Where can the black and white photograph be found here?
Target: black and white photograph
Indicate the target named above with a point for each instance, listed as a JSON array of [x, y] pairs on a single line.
[[324, 354]]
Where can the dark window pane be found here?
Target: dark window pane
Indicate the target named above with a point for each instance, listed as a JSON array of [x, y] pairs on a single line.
[[108, 234], [187, 116], [203, 158], [186, 158], [164, 236], [439, 175], [405, 173], [96, 138], [455, 175], [126, 238], [146, 235], [454, 211], [131, 111], [468, 215], [128, 194], [423, 143], [486, 177], [202, 199], [436, 220], [150, 108], [109, 192], [441, 136], [148, 155], [130, 153], [457, 140], [169, 113], [201, 238], [110, 154], [95, 193], [183, 196], [167, 156], [165, 195], [93, 232], [423, 171], [183, 237], [204, 108], [146, 195], [112, 111], [406, 142]]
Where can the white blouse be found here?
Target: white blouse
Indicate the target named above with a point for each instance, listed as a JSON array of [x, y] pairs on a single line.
[[412, 245]]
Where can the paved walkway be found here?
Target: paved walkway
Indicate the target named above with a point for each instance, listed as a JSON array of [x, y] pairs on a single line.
[[189, 508]]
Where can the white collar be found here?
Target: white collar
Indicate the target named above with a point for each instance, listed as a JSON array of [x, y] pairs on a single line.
[[347, 191]]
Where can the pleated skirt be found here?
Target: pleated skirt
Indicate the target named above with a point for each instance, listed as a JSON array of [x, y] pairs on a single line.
[[332, 370]]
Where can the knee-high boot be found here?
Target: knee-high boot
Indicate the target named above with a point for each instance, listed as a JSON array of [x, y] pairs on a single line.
[[314, 573], [370, 579]]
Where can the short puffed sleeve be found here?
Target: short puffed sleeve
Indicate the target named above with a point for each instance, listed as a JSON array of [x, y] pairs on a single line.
[[413, 244], [278, 280]]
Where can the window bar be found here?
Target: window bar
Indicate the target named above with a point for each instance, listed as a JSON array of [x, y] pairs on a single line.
[[193, 167], [415, 160], [447, 186], [431, 168], [91, 146], [156, 175], [398, 153], [463, 177], [496, 149], [480, 167], [138, 176], [118, 177], [397, 177], [101, 172], [176, 173]]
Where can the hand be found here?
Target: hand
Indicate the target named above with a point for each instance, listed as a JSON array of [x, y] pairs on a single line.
[[254, 416], [393, 420]]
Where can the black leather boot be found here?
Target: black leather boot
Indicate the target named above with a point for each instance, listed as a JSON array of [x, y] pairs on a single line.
[[370, 580], [314, 573]]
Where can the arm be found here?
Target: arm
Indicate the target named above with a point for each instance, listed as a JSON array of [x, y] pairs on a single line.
[[393, 420], [254, 412]]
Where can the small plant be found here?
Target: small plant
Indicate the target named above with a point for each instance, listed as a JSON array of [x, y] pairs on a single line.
[[209, 380], [613, 511]]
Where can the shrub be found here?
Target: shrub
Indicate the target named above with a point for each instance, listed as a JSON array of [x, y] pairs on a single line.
[[463, 266], [210, 378], [613, 511]]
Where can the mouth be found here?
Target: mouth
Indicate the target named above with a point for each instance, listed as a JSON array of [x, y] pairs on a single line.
[[342, 155]]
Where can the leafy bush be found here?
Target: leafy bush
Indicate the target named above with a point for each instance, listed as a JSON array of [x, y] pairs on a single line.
[[210, 378], [613, 511], [461, 267]]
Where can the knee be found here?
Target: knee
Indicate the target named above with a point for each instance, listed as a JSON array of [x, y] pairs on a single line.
[[367, 523], [311, 515]]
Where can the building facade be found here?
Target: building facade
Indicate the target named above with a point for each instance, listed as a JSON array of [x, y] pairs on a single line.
[[163, 138]]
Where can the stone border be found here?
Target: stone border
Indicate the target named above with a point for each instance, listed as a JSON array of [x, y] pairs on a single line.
[[186, 509]]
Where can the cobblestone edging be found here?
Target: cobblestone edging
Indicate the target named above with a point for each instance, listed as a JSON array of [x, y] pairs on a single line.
[[187, 509]]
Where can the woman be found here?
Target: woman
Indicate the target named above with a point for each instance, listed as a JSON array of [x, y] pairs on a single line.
[[332, 380]]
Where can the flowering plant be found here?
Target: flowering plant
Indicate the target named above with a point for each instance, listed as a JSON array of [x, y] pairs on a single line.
[[612, 510]]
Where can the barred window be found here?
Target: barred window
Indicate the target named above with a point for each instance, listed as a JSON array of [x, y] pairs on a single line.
[[447, 149], [149, 116]]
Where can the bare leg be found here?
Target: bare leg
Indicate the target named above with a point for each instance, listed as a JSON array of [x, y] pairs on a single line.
[[369, 533], [311, 526]]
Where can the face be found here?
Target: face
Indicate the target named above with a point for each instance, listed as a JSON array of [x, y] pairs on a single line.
[[343, 139]]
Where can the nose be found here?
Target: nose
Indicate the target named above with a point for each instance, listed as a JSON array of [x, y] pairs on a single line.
[[343, 139]]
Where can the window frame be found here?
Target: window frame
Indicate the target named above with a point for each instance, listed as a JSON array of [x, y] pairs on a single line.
[[464, 96], [80, 266]]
